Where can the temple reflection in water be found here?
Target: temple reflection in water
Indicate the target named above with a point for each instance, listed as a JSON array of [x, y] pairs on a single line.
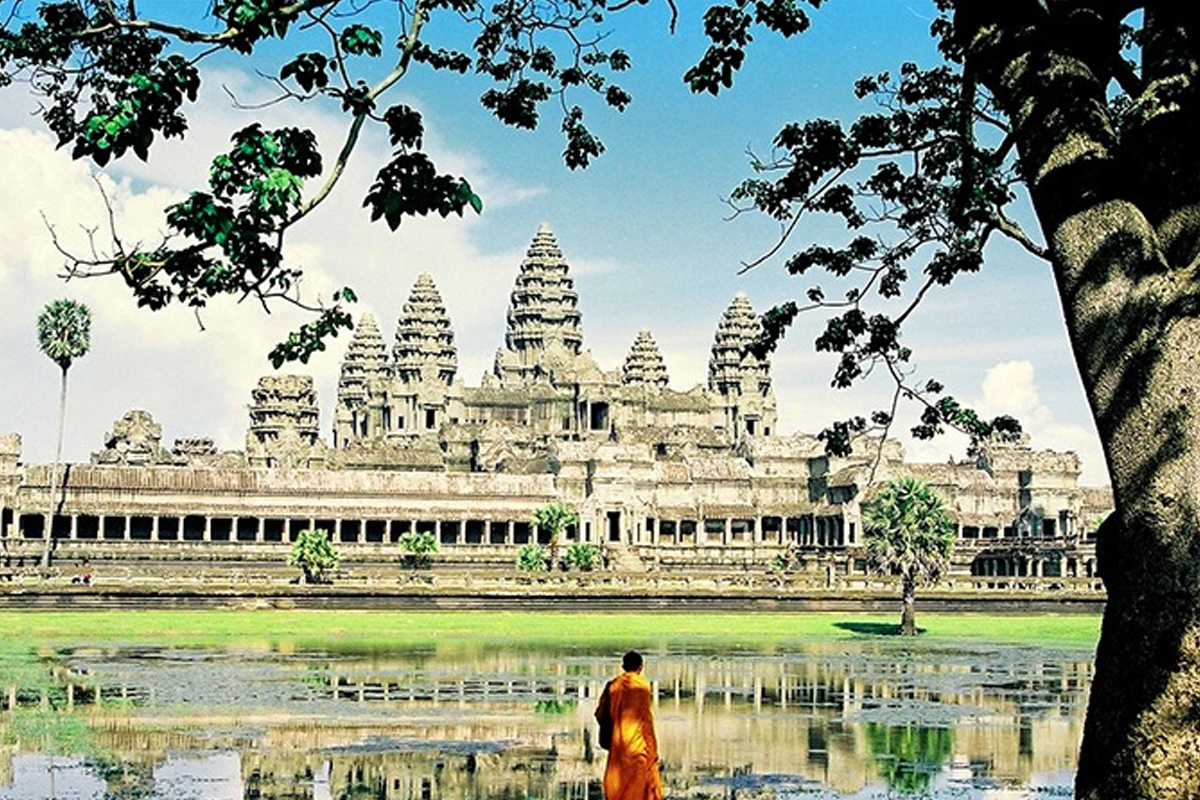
[[479, 723]]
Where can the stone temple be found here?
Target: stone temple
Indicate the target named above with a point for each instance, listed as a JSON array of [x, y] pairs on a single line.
[[661, 479]]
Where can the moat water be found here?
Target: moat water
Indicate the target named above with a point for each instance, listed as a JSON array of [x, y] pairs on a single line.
[[867, 717]]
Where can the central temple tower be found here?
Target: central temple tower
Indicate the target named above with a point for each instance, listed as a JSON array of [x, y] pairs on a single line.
[[544, 323]]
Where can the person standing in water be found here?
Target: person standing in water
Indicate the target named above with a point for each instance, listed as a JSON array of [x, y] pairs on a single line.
[[627, 732]]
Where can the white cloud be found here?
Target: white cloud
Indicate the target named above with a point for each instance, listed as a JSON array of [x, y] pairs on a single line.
[[1008, 389]]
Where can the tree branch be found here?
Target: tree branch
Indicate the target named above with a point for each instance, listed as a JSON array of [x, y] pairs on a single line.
[[190, 35], [1015, 232], [420, 16]]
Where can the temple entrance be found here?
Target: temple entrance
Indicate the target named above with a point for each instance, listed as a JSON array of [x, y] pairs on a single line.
[[598, 417], [614, 526]]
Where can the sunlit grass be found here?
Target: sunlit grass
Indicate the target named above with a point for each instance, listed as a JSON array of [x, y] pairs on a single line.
[[415, 627]]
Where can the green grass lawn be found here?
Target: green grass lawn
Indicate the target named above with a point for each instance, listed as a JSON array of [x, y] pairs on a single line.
[[399, 628]]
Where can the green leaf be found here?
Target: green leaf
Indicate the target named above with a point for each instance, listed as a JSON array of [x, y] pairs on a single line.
[[361, 40]]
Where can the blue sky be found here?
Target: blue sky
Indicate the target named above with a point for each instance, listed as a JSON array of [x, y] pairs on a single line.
[[644, 229]]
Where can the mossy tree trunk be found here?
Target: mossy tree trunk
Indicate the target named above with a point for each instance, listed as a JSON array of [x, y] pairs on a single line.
[[1121, 215]]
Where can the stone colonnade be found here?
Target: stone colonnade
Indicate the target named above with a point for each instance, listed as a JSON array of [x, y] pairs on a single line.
[[811, 530], [808, 530]]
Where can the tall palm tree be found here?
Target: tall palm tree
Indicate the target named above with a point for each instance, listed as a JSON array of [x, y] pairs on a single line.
[[64, 330], [908, 531], [554, 518]]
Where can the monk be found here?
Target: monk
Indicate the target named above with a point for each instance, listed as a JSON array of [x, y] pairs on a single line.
[[627, 732]]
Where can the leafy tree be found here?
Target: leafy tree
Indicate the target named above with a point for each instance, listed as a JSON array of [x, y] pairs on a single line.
[[553, 518], [314, 554], [1089, 111], [533, 558], [418, 548], [582, 556], [64, 330], [909, 532]]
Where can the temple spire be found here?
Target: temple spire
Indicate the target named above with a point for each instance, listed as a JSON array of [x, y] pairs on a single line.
[[424, 346], [731, 370], [543, 312], [366, 360], [644, 364]]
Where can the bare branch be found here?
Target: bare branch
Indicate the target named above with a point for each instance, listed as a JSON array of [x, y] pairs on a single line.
[[1015, 232], [670, 3], [286, 94], [791, 226], [886, 428]]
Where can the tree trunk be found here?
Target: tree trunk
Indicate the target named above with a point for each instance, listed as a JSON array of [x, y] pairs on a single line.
[[908, 613], [48, 529], [1123, 234]]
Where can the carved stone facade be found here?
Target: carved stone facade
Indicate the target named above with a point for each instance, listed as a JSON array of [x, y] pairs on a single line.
[[285, 424], [135, 440], [661, 478]]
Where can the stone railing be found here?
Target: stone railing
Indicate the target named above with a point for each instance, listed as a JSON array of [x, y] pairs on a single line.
[[394, 579]]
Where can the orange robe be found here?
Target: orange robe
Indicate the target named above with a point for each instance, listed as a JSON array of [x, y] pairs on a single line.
[[632, 769]]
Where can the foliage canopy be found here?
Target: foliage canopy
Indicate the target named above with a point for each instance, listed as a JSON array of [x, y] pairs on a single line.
[[64, 331], [314, 554], [908, 531]]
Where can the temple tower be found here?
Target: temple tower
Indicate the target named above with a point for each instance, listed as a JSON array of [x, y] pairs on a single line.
[[424, 348], [741, 380], [644, 365], [359, 407], [284, 423], [543, 314], [425, 361]]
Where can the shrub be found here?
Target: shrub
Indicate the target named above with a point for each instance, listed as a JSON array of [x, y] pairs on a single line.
[[314, 554], [583, 557], [418, 548], [533, 558], [553, 519]]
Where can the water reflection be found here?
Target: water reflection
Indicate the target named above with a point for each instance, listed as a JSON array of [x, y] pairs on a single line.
[[855, 718], [909, 756]]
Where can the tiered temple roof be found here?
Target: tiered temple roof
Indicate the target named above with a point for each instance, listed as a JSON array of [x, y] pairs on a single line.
[[544, 308], [732, 371], [366, 360], [644, 364], [424, 338]]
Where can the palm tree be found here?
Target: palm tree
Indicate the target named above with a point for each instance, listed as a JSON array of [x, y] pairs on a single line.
[[553, 518], [64, 330], [908, 531]]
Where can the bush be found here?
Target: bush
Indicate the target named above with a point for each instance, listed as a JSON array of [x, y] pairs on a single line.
[[418, 548], [583, 557], [553, 519], [314, 554], [533, 558]]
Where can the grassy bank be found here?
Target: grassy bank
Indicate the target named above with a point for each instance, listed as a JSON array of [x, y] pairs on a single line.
[[401, 628]]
